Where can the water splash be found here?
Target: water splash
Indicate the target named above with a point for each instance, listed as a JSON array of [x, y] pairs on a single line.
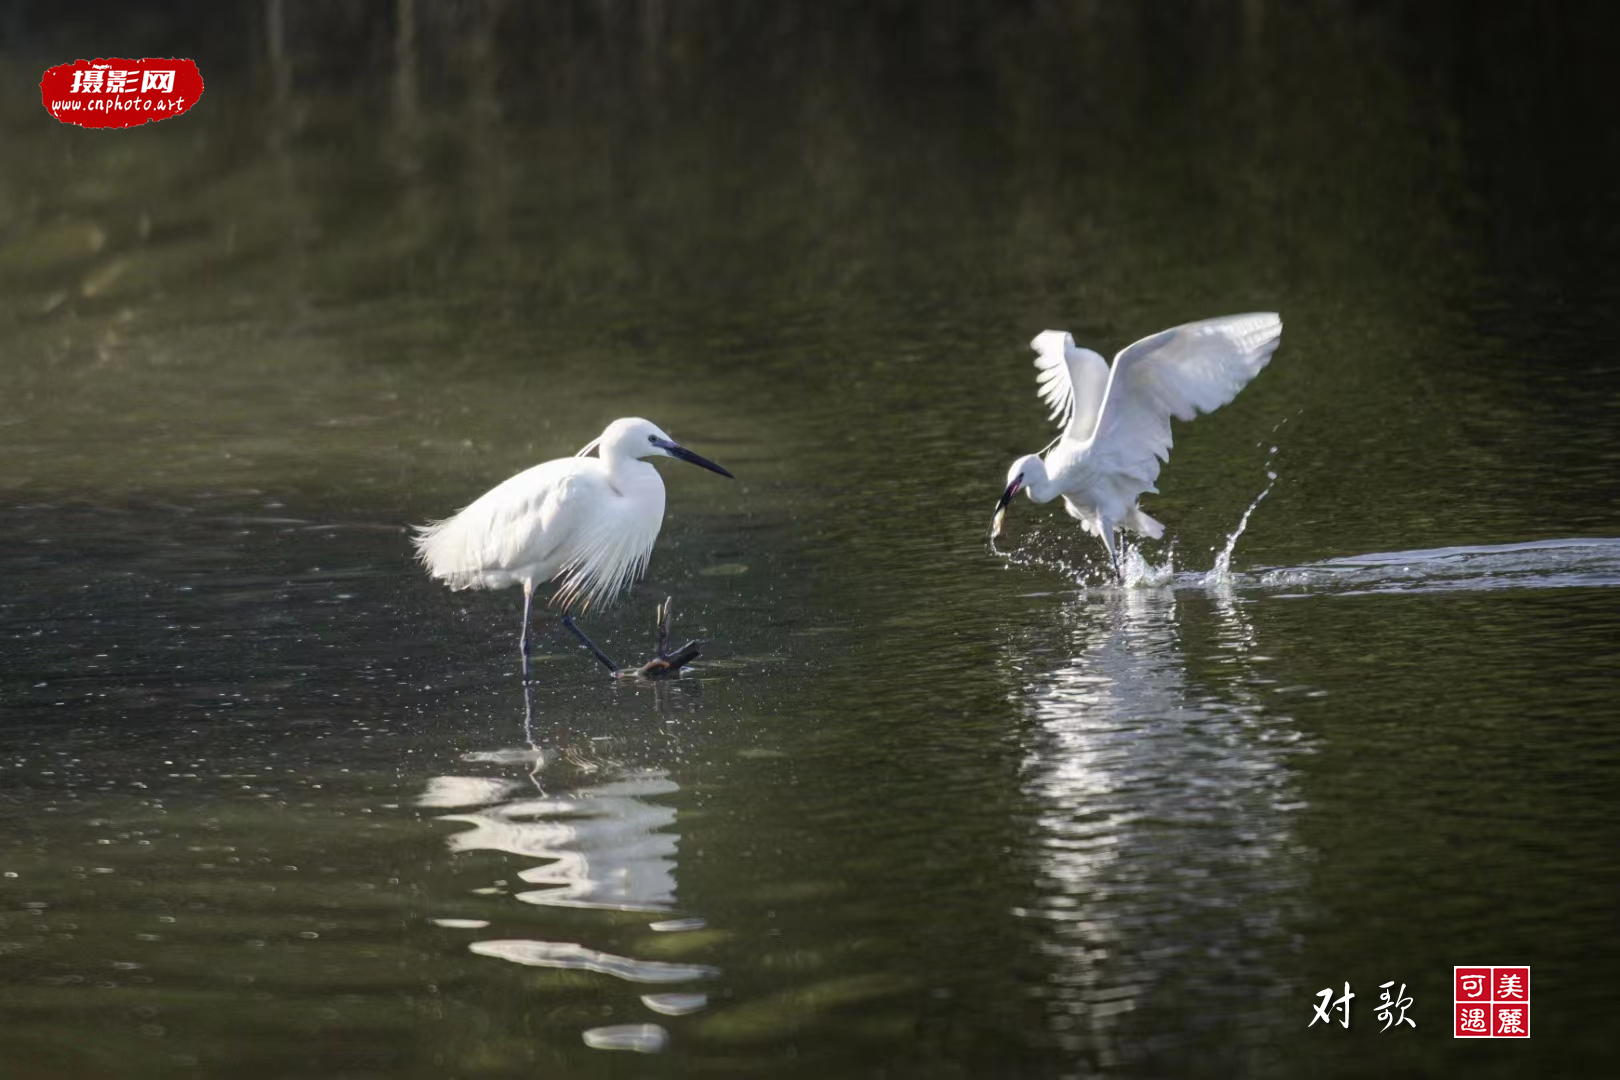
[[1138, 568], [1141, 572], [1221, 572], [1580, 562]]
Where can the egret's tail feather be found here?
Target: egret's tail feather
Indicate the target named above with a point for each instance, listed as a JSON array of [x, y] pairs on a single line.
[[441, 548], [1139, 522]]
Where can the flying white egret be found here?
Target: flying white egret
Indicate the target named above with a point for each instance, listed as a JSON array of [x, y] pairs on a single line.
[[1116, 422], [587, 522]]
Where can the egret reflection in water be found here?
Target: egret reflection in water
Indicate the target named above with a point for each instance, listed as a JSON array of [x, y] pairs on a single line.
[[603, 844], [603, 841], [1166, 860], [596, 835]]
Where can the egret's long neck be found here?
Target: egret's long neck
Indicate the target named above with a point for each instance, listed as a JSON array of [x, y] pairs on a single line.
[[616, 456], [1037, 483], [621, 465], [628, 474]]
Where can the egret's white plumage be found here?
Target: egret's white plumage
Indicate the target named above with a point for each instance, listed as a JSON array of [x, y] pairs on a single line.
[[1116, 421], [589, 523]]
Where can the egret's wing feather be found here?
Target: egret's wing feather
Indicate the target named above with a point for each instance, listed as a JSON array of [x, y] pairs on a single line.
[[508, 529], [560, 520], [1072, 382], [1179, 373]]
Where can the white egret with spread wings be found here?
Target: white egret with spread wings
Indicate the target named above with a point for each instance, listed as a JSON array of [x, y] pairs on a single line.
[[589, 523], [1116, 421]]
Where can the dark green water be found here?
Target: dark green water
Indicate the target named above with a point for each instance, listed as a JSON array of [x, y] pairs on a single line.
[[276, 805]]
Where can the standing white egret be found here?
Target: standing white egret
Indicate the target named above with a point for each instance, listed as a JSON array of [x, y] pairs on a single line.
[[1116, 422], [587, 522]]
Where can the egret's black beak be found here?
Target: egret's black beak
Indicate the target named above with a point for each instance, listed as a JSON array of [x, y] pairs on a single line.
[[677, 450], [1001, 505]]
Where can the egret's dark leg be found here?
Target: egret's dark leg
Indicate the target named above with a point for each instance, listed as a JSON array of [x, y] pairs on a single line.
[[1109, 539], [523, 638], [568, 621]]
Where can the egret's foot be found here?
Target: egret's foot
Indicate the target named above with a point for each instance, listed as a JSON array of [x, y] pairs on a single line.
[[667, 667], [666, 664]]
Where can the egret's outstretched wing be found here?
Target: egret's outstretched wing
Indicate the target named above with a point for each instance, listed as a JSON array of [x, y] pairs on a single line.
[[1179, 372], [1072, 381]]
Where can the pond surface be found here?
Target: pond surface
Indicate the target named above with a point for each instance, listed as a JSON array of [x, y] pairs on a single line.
[[274, 804]]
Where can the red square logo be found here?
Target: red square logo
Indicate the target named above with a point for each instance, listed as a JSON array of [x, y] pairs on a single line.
[[1473, 983], [1510, 1021], [1510, 984], [1473, 1021], [1491, 1002]]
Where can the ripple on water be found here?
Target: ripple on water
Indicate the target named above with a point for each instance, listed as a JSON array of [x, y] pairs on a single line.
[[1539, 564]]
